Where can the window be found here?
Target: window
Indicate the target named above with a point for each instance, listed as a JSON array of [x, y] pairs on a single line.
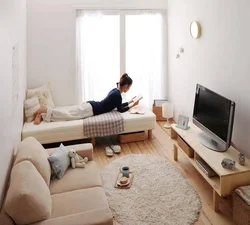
[[110, 43]]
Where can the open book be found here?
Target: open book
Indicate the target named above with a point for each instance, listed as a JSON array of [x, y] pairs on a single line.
[[138, 97], [137, 110]]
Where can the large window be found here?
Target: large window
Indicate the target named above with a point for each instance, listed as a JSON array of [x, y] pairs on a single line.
[[110, 43]]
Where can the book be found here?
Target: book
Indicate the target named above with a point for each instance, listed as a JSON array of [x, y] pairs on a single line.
[[205, 168], [137, 98], [137, 110]]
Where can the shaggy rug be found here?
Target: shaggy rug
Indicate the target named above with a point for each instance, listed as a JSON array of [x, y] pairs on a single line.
[[159, 194]]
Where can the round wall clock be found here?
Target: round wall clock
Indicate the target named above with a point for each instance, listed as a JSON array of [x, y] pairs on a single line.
[[195, 29]]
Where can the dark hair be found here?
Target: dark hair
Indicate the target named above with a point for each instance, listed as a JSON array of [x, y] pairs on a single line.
[[125, 80]]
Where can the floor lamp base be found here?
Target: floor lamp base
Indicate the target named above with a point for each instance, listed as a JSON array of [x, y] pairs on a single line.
[[167, 125]]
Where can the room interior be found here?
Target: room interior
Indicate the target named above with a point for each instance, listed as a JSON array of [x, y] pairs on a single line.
[[38, 42]]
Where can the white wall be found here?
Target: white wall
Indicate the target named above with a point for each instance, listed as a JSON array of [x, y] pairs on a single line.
[[12, 31], [219, 59], [51, 42]]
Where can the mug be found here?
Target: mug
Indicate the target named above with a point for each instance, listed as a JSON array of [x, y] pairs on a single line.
[[125, 171]]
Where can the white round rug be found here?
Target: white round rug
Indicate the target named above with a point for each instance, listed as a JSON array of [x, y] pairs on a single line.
[[159, 194]]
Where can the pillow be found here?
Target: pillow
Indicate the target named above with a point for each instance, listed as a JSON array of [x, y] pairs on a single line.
[[30, 149], [30, 106], [28, 199], [43, 93], [59, 161]]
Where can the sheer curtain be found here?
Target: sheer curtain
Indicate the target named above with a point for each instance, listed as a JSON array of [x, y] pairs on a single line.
[[98, 51], [132, 40], [145, 55]]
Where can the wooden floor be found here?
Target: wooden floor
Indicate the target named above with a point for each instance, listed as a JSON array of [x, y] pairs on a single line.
[[161, 145]]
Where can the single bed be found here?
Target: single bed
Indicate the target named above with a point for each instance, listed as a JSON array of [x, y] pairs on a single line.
[[53, 132]]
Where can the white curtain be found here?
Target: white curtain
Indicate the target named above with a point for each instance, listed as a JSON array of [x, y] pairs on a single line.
[[145, 55], [110, 40], [98, 47]]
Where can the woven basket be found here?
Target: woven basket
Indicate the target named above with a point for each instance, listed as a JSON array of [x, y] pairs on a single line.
[[241, 210]]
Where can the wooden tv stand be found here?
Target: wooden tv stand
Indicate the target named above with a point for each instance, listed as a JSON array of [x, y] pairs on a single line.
[[227, 181]]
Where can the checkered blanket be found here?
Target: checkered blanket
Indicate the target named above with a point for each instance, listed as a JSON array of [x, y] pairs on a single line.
[[103, 125]]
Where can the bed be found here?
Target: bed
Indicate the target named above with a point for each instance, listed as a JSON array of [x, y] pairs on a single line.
[[54, 132]]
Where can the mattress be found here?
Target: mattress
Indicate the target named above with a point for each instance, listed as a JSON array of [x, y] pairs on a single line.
[[54, 132]]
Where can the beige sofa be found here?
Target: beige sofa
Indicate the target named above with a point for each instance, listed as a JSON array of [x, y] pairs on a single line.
[[32, 198]]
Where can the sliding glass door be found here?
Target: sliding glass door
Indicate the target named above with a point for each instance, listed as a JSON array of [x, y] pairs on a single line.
[[111, 43]]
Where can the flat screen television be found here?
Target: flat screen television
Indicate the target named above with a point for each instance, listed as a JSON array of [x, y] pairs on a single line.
[[214, 115]]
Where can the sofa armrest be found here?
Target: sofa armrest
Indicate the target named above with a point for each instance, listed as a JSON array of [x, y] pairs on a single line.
[[93, 217], [84, 150]]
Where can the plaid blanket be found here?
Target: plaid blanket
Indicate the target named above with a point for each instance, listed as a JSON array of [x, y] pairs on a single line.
[[103, 125]]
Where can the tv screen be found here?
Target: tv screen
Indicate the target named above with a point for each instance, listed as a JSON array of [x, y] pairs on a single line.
[[212, 111]]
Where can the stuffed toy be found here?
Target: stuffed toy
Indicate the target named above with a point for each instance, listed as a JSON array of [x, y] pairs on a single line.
[[77, 160]]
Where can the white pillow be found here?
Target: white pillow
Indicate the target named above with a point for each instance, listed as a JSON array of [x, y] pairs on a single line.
[[43, 93], [30, 106]]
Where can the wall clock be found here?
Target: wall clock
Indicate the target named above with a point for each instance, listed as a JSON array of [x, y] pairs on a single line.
[[195, 29]]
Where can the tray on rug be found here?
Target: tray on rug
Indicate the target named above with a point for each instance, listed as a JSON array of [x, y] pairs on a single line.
[[131, 176]]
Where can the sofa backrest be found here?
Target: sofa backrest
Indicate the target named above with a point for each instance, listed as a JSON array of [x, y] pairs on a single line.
[[28, 198], [30, 149]]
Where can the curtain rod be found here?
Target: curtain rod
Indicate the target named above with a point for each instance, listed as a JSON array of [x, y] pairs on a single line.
[[115, 8]]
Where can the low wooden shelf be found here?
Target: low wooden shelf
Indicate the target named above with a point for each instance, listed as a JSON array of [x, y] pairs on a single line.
[[227, 180]]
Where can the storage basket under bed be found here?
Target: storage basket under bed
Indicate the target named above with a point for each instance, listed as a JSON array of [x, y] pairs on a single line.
[[241, 210]]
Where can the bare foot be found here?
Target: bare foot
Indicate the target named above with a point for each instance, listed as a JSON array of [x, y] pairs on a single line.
[[38, 119], [42, 109]]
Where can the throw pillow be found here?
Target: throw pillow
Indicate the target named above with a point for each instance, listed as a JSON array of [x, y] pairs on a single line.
[[30, 149], [59, 161], [43, 93], [28, 198], [30, 106]]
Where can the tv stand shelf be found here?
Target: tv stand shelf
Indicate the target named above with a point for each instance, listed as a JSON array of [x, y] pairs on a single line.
[[227, 180]]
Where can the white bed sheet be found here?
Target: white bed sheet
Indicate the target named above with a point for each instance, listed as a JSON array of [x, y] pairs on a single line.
[[53, 132]]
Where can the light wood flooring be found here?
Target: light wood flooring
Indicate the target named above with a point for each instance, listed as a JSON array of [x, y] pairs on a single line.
[[161, 145]]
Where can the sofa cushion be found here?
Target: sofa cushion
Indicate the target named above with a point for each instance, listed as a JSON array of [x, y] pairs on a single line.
[[59, 161], [30, 149], [79, 178], [28, 198], [79, 201], [93, 217]]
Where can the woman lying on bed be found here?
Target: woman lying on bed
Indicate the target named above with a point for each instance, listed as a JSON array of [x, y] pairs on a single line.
[[90, 108]]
